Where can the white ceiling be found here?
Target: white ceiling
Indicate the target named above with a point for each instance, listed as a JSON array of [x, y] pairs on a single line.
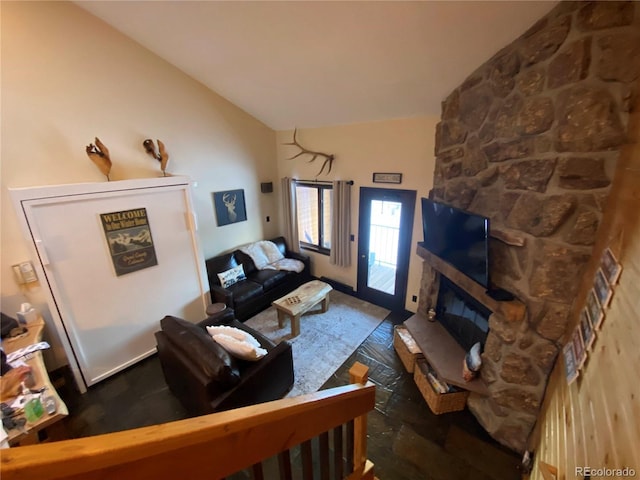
[[317, 63]]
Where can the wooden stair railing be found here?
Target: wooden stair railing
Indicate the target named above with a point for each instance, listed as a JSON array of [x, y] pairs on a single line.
[[221, 444]]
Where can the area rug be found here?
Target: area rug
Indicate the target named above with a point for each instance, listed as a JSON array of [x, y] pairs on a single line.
[[326, 340]]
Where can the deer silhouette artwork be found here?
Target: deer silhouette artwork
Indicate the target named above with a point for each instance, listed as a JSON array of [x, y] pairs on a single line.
[[230, 202]]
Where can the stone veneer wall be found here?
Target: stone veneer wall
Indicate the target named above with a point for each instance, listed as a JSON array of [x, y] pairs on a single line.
[[531, 140]]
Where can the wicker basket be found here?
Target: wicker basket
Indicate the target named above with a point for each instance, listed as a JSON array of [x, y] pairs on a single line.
[[438, 402], [406, 347]]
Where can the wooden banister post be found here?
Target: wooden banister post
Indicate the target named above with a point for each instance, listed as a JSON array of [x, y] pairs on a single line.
[[359, 373]]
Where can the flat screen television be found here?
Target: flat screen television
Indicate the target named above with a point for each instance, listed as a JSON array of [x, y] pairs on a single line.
[[458, 237]]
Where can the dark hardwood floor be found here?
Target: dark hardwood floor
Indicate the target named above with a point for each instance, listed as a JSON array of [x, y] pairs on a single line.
[[406, 440], [409, 442]]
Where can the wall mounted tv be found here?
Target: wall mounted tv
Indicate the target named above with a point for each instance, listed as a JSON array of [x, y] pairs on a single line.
[[458, 237]]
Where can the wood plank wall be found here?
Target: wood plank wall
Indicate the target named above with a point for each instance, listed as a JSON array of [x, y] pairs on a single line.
[[595, 422]]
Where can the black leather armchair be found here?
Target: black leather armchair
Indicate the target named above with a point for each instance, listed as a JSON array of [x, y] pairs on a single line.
[[206, 379]]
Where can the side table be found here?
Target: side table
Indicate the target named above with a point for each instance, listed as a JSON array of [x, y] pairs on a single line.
[[215, 311], [29, 433]]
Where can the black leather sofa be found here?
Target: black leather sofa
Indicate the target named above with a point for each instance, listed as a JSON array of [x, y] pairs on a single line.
[[261, 287], [206, 379]]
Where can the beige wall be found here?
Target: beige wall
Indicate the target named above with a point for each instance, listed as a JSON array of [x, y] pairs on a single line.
[[67, 77], [403, 145], [595, 421]]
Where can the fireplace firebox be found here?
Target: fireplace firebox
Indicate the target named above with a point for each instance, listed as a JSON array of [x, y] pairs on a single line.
[[466, 319]]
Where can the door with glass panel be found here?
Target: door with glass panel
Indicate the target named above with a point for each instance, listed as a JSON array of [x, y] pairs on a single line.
[[384, 245]]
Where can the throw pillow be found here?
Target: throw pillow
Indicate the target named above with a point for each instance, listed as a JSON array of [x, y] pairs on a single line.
[[232, 276], [234, 332], [239, 348]]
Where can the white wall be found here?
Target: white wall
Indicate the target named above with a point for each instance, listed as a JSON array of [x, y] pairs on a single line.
[[68, 77], [404, 145]]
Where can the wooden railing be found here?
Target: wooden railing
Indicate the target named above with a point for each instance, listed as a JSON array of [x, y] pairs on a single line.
[[218, 445]]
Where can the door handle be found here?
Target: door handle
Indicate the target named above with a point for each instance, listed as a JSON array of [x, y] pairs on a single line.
[[42, 252]]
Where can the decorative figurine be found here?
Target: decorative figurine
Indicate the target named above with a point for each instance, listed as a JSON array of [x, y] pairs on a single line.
[[472, 363], [162, 156], [99, 154]]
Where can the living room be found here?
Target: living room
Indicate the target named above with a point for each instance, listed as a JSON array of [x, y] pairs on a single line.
[[74, 92]]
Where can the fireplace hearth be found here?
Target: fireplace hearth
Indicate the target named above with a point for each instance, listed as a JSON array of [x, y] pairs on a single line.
[[515, 363]]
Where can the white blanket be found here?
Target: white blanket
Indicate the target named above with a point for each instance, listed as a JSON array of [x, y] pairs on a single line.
[[266, 256], [263, 253], [289, 264]]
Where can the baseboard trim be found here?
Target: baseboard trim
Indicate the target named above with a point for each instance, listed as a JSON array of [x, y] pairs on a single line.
[[339, 286]]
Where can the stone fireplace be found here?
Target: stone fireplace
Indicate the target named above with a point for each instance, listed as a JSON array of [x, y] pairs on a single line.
[[530, 140]]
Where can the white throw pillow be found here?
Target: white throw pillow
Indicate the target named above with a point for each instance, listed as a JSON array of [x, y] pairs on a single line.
[[239, 349], [234, 332], [231, 276]]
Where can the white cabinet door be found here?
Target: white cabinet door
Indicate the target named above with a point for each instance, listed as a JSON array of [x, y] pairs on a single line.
[[109, 320]]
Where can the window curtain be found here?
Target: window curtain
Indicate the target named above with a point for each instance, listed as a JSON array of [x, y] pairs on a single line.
[[290, 213], [341, 224]]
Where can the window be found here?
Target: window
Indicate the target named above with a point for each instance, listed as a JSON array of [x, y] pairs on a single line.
[[313, 203]]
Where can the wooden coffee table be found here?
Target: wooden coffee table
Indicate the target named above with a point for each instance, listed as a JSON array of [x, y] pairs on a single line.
[[300, 301]]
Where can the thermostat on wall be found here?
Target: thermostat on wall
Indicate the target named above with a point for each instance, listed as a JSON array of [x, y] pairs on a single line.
[[24, 273]]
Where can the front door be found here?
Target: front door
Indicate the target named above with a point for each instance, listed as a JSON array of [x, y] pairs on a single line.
[[384, 245]]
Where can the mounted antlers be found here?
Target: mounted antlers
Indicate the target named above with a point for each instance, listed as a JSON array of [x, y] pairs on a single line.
[[162, 156], [99, 154], [328, 158]]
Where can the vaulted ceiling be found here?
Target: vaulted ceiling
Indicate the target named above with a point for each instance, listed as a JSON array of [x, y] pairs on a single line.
[[317, 63]]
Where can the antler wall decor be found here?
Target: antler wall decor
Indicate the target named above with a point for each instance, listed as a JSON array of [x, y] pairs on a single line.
[[328, 158], [162, 156], [99, 154]]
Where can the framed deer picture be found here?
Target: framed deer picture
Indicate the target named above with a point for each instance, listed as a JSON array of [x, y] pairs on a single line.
[[229, 206]]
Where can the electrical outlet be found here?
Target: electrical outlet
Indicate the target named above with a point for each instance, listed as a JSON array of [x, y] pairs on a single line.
[[414, 299], [268, 219]]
